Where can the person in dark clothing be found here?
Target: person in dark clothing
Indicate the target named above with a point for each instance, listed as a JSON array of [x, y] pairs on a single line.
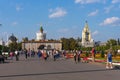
[[75, 56], [79, 53], [39, 53], [25, 52]]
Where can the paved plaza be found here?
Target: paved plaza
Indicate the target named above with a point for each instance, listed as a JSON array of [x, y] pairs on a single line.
[[38, 69]]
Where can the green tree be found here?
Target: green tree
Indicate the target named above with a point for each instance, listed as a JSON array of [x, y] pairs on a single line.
[[118, 42], [13, 46], [19, 46], [4, 48], [65, 43], [73, 43], [102, 54], [25, 39], [69, 43], [111, 42]]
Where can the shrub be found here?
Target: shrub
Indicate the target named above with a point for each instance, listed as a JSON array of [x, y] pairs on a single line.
[[87, 54], [102, 54]]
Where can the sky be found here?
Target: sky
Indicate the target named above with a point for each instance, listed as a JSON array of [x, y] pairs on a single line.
[[60, 18]]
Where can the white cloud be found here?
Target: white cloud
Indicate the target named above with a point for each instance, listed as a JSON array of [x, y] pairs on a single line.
[[115, 1], [108, 9], [95, 33], [58, 12], [14, 23], [86, 1], [112, 21], [18, 8], [93, 13]]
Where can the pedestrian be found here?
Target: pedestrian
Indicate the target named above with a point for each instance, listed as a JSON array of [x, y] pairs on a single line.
[[25, 52], [17, 55], [109, 61], [75, 56], [79, 52], [28, 52], [93, 54], [39, 53], [64, 54], [11, 55], [44, 55]]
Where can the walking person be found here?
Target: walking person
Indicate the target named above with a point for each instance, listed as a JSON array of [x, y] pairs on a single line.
[[25, 53], [17, 55], [79, 52], [109, 61], [44, 55], [28, 53], [54, 54], [75, 56], [93, 54], [11, 55], [39, 53]]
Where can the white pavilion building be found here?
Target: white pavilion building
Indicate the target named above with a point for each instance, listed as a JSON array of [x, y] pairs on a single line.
[[40, 35]]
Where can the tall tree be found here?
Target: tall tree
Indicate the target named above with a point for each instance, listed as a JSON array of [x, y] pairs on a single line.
[[69, 43], [65, 43], [111, 42], [73, 43], [118, 42], [13, 46]]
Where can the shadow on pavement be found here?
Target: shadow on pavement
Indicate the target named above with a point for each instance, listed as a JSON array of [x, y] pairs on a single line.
[[52, 73]]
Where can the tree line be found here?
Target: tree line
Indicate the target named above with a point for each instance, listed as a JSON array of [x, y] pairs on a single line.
[[72, 43], [69, 44]]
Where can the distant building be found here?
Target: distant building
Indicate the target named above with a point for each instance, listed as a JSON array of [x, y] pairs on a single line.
[[41, 42], [12, 38], [87, 40], [2, 42], [49, 45], [40, 35]]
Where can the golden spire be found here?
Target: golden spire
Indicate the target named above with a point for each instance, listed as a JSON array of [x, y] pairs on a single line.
[[86, 24]]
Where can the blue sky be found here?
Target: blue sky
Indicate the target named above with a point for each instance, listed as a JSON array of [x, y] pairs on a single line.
[[60, 18]]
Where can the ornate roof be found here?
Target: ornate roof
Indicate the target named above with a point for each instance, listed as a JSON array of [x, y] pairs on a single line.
[[86, 25], [13, 38], [86, 28]]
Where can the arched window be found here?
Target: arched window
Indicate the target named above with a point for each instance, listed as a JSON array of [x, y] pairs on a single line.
[[41, 47]]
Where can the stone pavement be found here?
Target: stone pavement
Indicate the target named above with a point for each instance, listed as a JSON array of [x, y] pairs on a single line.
[[38, 69]]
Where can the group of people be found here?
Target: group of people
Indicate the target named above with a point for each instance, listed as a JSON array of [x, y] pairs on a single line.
[[55, 54], [108, 57], [77, 57], [16, 54], [42, 54]]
